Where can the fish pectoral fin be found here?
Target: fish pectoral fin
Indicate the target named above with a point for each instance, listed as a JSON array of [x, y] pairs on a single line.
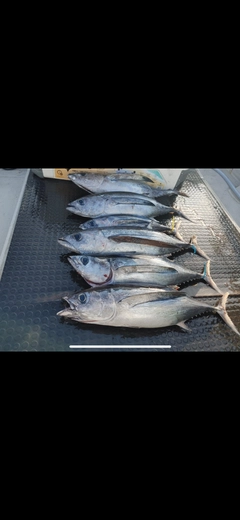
[[150, 269], [144, 241], [183, 325], [136, 301], [164, 294], [131, 200]]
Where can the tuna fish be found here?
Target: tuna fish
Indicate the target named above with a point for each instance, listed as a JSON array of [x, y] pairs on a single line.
[[139, 307], [147, 176], [103, 205], [152, 270], [126, 241], [128, 221], [97, 183]]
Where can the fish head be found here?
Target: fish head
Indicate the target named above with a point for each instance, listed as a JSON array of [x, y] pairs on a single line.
[[78, 206], [90, 306], [87, 181], [72, 242], [89, 224], [96, 223], [95, 271], [88, 206]]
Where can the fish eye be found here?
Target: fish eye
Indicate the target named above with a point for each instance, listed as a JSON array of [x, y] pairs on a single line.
[[81, 202], [78, 237], [84, 260], [82, 298], [92, 223]]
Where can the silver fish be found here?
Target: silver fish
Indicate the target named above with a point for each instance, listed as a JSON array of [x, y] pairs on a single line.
[[136, 307], [118, 203], [97, 183], [152, 270], [125, 241], [128, 220], [129, 175]]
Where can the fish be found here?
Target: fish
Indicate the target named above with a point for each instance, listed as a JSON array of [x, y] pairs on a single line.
[[146, 176], [128, 220], [126, 241], [152, 270], [97, 183], [118, 203], [139, 307]]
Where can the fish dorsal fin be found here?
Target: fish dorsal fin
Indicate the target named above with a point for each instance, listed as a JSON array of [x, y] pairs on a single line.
[[131, 221], [146, 241], [130, 177]]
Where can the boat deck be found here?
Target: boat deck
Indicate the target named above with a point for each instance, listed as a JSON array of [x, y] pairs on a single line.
[[37, 273]]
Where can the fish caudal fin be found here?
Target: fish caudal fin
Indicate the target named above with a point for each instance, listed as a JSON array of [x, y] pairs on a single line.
[[180, 214], [196, 248], [221, 310], [176, 231], [207, 276], [182, 193], [158, 193]]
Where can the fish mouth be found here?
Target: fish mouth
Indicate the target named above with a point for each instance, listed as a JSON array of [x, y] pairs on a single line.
[[73, 262], [73, 314], [71, 305], [67, 313], [63, 242], [70, 206]]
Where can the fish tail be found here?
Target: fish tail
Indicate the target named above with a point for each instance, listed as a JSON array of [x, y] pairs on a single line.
[[160, 192], [176, 231], [182, 193], [207, 276], [180, 214], [197, 249], [221, 310]]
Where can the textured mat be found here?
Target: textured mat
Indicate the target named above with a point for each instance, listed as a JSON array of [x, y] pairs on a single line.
[[37, 275]]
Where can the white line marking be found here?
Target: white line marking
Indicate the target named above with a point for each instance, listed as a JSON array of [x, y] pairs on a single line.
[[120, 346]]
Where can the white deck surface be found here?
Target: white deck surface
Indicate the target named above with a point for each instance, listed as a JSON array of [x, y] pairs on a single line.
[[222, 192], [12, 185]]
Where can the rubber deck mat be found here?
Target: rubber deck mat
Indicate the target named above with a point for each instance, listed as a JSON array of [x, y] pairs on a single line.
[[37, 275]]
